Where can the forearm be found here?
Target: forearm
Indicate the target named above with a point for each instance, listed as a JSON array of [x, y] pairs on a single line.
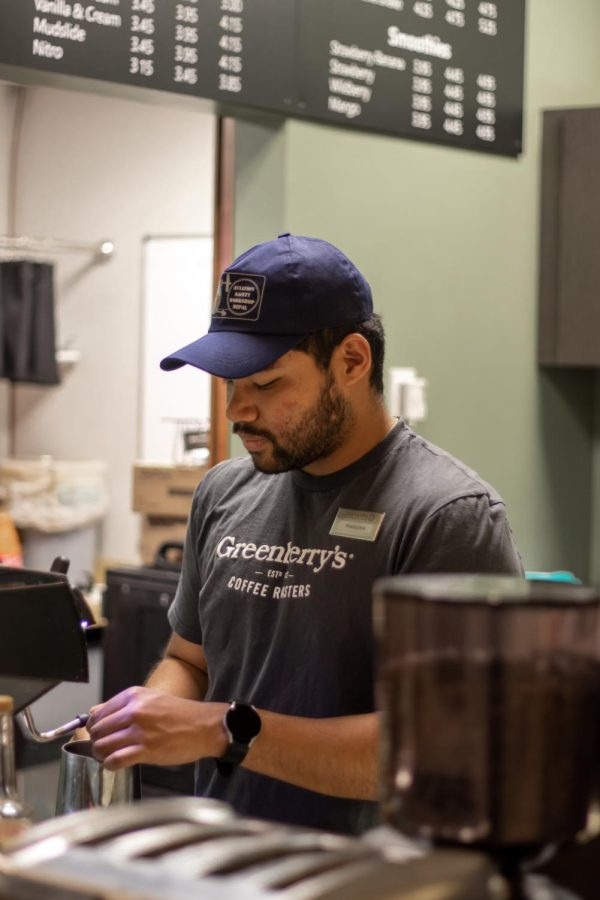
[[177, 677], [337, 756]]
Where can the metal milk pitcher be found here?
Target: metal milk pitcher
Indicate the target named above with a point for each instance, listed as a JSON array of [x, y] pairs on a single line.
[[84, 782]]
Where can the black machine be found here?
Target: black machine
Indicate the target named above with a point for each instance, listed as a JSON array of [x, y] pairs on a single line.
[[42, 633], [44, 629], [135, 604]]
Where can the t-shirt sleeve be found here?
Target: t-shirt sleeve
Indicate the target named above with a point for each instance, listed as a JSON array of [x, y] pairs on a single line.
[[183, 613], [469, 534]]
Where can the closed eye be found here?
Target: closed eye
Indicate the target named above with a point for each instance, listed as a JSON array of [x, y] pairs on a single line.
[[266, 385]]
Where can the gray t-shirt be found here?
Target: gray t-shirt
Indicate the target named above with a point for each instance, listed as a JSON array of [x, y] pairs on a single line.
[[282, 606]]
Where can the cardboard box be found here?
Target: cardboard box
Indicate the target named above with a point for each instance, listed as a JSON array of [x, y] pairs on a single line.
[[160, 489], [157, 531]]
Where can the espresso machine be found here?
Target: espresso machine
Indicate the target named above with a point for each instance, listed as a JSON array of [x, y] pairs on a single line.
[[43, 621], [489, 694]]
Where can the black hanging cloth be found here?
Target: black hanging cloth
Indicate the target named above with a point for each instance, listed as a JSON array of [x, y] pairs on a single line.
[[27, 333]]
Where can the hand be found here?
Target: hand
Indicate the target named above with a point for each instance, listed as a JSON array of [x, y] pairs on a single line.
[[141, 725]]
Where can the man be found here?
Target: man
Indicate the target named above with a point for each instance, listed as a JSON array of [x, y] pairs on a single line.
[[273, 609]]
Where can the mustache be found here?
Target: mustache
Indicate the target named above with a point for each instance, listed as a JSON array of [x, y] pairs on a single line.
[[241, 428]]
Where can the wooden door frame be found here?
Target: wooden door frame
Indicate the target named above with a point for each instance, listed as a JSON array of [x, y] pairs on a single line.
[[223, 255]]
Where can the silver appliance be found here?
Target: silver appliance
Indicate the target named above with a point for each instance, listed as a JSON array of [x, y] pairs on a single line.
[[201, 850]]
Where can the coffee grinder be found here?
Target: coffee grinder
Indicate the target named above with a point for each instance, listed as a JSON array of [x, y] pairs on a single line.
[[490, 694]]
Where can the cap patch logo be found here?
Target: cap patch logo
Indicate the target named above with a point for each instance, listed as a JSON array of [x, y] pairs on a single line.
[[239, 296]]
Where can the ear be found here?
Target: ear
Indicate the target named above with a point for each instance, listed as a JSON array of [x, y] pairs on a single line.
[[353, 360]]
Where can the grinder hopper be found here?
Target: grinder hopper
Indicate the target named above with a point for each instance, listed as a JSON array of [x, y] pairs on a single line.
[[490, 691]]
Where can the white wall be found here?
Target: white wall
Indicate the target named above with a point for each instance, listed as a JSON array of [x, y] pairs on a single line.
[[95, 167]]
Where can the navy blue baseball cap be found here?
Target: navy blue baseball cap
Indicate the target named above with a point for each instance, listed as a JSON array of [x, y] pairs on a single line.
[[269, 299]]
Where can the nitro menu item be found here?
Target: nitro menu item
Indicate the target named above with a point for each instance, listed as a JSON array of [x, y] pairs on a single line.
[[501, 753], [449, 71], [238, 50]]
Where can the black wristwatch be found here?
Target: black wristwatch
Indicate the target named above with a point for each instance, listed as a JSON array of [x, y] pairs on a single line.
[[242, 724]]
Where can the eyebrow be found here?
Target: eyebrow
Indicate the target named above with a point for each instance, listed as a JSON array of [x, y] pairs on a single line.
[[268, 368]]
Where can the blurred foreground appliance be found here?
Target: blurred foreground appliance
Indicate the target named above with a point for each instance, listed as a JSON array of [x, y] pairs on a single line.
[[490, 693], [188, 847], [136, 602]]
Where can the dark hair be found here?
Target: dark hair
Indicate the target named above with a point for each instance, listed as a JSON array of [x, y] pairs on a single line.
[[321, 344]]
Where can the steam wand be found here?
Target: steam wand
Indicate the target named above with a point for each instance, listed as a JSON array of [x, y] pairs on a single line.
[[25, 719]]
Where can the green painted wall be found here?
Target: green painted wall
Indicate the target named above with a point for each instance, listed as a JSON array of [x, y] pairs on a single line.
[[449, 241]]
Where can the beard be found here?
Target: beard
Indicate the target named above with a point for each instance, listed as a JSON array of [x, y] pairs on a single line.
[[321, 430]]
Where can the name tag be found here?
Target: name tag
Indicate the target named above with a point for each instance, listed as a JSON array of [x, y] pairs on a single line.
[[357, 523]]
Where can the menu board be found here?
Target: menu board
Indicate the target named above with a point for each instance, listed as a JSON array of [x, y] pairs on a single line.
[[449, 71]]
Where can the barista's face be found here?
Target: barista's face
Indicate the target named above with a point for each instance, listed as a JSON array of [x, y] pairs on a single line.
[[289, 415]]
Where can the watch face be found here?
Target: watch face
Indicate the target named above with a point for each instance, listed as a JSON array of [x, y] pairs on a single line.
[[243, 722]]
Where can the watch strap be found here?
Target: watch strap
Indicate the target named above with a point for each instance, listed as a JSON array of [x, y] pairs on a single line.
[[233, 756]]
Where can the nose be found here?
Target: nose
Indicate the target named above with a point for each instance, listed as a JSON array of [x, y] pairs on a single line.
[[239, 406]]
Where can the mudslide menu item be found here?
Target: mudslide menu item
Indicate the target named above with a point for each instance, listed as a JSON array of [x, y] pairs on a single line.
[[237, 50], [449, 71]]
